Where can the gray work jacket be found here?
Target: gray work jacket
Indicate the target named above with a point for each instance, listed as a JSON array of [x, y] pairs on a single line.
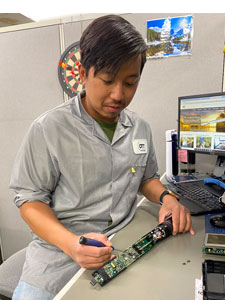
[[67, 161]]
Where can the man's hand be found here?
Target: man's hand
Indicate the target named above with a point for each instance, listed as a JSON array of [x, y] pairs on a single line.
[[181, 217], [91, 257], [40, 216]]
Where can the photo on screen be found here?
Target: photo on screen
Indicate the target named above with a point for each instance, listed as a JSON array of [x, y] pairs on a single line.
[[203, 142], [187, 142], [204, 120], [219, 143]]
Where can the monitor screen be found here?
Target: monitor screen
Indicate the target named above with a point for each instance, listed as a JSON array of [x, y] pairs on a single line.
[[201, 123]]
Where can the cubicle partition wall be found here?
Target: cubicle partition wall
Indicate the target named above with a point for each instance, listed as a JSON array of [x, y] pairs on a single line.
[[29, 86]]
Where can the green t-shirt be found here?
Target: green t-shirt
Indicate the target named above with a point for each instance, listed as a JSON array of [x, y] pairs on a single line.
[[108, 128]]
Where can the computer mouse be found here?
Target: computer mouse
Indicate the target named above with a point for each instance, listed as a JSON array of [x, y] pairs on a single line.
[[218, 220]]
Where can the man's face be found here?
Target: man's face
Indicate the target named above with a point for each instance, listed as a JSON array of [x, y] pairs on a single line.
[[106, 94]]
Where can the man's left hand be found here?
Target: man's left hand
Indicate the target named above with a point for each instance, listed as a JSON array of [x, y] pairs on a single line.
[[181, 217]]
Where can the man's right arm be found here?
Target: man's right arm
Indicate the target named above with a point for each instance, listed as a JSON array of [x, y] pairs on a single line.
[[35, 176], [43, 222]]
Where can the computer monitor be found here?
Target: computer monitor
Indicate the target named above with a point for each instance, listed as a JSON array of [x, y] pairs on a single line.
[[201, 126]]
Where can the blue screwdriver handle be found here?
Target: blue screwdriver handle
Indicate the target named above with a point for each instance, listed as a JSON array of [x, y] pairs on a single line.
[[91, 242]]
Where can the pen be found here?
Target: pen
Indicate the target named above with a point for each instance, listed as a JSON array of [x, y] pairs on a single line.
[[91, 242]]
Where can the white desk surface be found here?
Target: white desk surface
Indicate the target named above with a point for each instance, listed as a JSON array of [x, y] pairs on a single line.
[[167, 271]]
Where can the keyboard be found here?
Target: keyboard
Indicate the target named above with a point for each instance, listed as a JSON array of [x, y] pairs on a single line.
[[197, 197]]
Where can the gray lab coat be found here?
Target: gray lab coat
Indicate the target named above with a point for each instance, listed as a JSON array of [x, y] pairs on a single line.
[[67, 161]]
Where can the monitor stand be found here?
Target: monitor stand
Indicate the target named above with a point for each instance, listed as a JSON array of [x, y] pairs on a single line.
[[220, 167]]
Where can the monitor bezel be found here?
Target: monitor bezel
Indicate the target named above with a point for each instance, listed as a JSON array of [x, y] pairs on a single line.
[[214, 152]]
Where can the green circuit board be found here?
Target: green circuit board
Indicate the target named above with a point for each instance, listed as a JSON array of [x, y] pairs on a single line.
[[120, 262], [116, 266]]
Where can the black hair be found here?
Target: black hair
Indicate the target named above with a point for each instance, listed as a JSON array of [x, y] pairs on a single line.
[[108, 42]]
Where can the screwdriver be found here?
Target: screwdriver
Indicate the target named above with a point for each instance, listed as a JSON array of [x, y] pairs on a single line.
[[91, 242]]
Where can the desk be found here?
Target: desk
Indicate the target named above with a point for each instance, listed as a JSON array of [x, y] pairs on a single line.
[[167, 271]]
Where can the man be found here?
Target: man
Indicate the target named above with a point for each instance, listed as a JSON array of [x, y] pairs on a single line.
[[82, 164]]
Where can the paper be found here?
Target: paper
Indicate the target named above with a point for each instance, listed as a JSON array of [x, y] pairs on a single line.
[[198, 289], [182, 155]]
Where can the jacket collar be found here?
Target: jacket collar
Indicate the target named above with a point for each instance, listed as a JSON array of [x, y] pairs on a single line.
[[123, 122]]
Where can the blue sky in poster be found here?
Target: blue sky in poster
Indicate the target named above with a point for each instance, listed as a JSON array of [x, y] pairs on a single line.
[[176, 23]]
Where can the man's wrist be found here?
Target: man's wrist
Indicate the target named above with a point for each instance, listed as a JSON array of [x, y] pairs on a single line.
[[165, 193]]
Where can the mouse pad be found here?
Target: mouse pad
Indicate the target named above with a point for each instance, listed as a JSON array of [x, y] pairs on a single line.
[[210, 228]]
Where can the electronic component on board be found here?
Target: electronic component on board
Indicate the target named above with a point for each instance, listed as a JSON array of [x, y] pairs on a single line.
[[214, 244], [120, 262]]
